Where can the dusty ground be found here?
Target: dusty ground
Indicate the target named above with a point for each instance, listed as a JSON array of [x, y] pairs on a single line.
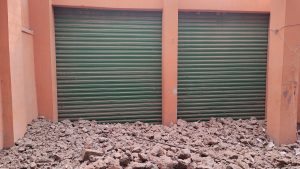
[[221, 143]]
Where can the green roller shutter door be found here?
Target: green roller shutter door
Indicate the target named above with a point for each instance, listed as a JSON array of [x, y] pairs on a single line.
[[108, 65], [222, 65]]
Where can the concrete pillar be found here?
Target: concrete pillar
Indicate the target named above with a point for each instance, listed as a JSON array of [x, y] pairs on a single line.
[[169, 61], [283, 74], [42, 22]]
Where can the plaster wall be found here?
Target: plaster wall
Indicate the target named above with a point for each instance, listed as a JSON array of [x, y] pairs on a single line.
[[19, 104], [17, 67], [42, 22], [22, 70], [283, 71], [292, 52], [6, 128], [28, 55], [169, 61]]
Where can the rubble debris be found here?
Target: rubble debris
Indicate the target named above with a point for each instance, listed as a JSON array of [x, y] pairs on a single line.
[[218, 143]]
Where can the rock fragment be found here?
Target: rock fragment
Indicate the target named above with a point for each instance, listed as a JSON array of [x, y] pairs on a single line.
[[88, 152], [184, 154], [157, 150], [136, 165], [124, 160], [143, 157]]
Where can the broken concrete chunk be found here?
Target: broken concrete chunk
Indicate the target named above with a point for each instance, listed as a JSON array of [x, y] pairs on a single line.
[[143, 157], [124, 160], [136, 165], [88, 152], [157, 150], [184, 154]]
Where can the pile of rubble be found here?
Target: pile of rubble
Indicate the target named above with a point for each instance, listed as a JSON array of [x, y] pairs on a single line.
[[218, 143]]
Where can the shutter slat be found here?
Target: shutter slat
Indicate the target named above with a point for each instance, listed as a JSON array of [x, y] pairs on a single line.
[[222, 65], [108, 65]]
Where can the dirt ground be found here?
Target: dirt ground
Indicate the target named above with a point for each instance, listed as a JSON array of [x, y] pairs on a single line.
[[218, 143]]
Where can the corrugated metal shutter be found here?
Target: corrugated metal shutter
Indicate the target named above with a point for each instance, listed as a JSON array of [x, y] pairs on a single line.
[[108, 65], [222, 65]]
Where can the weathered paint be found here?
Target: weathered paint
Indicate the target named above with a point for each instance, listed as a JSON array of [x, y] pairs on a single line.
[[282, 73]]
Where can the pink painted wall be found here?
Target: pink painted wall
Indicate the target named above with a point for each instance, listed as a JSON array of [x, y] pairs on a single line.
[[22, 67], [29, 73], [19, 104], [17, 68], [6, 112], [283, 71], [169, 61], [42, 22], [292, 36]]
